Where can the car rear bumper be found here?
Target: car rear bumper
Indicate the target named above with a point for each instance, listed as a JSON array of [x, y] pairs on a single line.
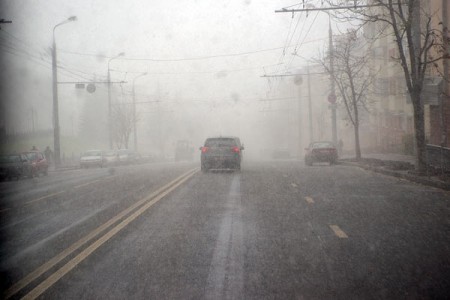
[[220, 162]]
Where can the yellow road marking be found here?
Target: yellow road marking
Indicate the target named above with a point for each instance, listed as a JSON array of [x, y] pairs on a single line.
[[338, 232], [42, 198], [294, 185], [42, 287], [309, 200], [75, 246]]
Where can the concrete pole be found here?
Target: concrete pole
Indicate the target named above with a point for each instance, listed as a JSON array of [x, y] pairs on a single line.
[[332, 84]]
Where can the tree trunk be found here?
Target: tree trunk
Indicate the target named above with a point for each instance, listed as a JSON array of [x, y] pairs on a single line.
[[419, 131], [357, 145]]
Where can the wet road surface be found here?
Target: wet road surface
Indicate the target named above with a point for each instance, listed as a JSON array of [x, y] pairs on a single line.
[[275, 230]]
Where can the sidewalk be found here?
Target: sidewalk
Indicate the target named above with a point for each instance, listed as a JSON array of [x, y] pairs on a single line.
[[397, 165]]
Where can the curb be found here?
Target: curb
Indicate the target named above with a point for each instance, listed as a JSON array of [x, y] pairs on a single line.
[[416, 179]]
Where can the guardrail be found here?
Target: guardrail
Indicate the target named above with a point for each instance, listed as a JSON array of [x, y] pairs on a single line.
[[438, 157]]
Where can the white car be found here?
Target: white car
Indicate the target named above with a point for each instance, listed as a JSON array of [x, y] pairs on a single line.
[[92, 158]]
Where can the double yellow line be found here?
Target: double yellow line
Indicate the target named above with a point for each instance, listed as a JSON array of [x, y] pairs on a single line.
[[114, 225]]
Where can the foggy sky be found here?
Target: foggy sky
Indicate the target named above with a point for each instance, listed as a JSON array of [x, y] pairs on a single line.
[[222, 91]]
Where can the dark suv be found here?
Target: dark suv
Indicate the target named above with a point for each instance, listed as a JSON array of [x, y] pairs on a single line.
[[221, 153]]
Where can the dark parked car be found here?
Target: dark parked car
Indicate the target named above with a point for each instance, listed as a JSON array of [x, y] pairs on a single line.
[[221, 153], [13, 166], [321, 152], [36, 162]]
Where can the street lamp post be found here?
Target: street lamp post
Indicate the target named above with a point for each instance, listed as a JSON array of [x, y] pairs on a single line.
[[134, 112], [109, 101], [56, 131]]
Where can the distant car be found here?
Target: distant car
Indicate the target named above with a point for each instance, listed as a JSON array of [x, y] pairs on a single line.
[[13, 166], [110, 157], [221, 153], [321, 152], [92, 158], [184, 151], [35, 163], [127, 156]]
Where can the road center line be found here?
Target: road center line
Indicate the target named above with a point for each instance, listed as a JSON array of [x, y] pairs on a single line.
[[52, 279], [338, 232], [75, 246], [309, 200]]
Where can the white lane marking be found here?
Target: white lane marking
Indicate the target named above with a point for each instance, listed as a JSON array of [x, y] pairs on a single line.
[[294, 185], [226, 276], [338, 232], [309, 200], [42, 198]]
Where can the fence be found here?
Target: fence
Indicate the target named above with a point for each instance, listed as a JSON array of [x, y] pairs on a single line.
[[438, 157]]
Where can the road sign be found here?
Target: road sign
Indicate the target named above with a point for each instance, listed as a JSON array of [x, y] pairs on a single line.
[[91, 88]]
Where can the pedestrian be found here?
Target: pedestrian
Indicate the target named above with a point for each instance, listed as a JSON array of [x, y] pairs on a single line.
[[34, 148], [48, 154]]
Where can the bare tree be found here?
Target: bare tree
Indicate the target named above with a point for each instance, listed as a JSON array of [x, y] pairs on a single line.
[[123, 122], [416, 40], [353, 79]]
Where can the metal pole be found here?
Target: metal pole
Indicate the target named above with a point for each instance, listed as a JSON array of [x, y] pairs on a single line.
[[309, 106], [333, 89], [109, 109], [134, 119], [56, 131], [109, 101], [56, 142]]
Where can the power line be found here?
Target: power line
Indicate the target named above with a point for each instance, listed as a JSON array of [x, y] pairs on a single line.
[[177, 59]]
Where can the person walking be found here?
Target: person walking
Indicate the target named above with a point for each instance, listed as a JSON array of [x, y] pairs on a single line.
[[48, 154]]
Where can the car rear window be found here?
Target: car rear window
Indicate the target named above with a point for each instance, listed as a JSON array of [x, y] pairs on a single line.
[[220, 142]]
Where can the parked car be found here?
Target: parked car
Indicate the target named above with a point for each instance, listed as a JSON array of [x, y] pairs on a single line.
[[110, 157], [35, 163], [92, 158], [321, 152], [127, 156], [184, 151], [13, 166], [221, 153]]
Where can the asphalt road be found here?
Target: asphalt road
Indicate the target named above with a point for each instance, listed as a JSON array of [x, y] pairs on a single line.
[[275, 230]]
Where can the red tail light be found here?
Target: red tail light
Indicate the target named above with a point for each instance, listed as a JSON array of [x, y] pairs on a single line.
[[236, 149], [205, 149]]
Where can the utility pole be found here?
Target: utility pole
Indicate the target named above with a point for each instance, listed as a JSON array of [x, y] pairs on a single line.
[[309, 106], [56, 130], [298, 80], [109, 101], [332, 97]]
